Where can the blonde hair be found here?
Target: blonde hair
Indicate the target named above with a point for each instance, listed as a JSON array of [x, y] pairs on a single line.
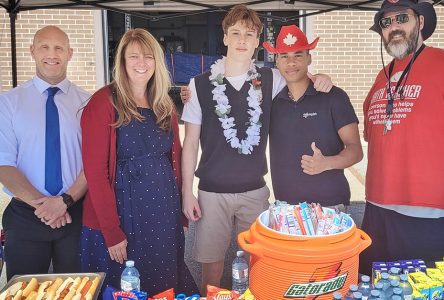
[[247, 16], [157, 87]]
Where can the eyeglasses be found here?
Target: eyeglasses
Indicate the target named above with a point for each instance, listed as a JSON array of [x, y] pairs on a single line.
[[400, 19]]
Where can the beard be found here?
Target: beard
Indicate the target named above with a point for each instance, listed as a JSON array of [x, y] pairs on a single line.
[[400, 49]]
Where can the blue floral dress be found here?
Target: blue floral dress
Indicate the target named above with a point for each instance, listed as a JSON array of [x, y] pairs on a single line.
[[148, 204]]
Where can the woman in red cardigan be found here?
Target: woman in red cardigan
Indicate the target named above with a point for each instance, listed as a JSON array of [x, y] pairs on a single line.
[[131, 156]]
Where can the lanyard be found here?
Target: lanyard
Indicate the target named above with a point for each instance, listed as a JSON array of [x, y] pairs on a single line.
[[390, 95]]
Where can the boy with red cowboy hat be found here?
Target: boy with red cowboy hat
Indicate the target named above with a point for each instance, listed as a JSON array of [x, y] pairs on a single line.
[[313, 136], [228, 115], [404, 127]]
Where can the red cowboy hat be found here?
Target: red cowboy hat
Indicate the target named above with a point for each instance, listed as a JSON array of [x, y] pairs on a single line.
[[290, 39]]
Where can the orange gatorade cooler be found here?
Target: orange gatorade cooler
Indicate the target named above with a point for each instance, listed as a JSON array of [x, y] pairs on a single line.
[[284, 266]]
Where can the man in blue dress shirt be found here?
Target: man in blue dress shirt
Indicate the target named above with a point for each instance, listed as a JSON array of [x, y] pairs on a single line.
[[41, 162]]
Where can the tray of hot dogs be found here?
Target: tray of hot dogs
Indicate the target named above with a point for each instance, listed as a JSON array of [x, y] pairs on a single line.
[[64, 286]]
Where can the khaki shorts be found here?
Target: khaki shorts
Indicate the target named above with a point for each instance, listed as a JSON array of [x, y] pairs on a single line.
[[220, 212]]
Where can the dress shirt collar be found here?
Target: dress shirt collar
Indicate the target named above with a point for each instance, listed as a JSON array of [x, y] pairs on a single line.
[[42, 85]]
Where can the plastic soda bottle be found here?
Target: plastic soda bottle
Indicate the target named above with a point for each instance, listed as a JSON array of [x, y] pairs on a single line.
[[239, 273], [364, 287], [357, 295], [337, 296], [130, 279], [385, 281], [407, 289], [349, 295], [394, 273]]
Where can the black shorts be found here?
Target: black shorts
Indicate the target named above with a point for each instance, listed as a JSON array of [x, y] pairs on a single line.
[[399, 237]]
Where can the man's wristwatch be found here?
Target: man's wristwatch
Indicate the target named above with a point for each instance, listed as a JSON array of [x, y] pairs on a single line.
[[67, 199]]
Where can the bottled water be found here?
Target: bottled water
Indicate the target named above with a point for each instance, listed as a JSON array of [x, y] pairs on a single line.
[[389, 291], [385, 281], [378, 286], [239, 273], [364, 286], [349, 295], [337, 296], [130, 279], [374, 294], [394, 273], [406, 287], [397, 292]]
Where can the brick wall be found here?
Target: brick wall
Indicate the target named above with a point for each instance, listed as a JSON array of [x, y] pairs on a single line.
[[78, 24], [350, 54], [347, 51]]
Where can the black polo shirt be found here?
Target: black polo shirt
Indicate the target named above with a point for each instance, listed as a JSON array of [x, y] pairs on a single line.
[[315, 117]]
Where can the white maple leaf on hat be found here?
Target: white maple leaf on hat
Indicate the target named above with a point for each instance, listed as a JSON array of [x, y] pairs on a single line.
[[290, 39]]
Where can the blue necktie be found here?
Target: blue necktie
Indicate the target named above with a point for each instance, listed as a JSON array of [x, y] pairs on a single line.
[[53, 161]]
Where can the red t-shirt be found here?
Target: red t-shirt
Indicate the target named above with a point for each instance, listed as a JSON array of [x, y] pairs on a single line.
[[406, 165]]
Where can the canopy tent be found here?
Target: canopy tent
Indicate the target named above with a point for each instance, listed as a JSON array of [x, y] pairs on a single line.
[[143, 6], [179, 8]]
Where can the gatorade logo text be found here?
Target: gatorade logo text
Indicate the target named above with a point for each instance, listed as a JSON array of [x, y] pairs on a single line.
[[303, 290], [323, 280]]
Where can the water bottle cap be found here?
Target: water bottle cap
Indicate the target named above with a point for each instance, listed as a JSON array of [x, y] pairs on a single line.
[[379, 285], [353, 288], [240, 253], [129, 263], [375, 293], [357, 295], [394, 270], [394, 283], [365, 278], [403, 277], [397, 291], [384, 275], [337, 295]]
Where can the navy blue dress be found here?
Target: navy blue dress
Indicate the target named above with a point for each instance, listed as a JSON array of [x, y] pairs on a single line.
[[148, 204]]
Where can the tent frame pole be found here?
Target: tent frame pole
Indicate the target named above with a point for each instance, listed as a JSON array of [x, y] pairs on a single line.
[[12, 19]]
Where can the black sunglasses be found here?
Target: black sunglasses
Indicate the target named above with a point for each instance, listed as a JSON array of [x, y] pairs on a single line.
[[400, 19]]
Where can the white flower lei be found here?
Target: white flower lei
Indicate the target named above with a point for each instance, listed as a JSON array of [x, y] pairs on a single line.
[[223, 108]]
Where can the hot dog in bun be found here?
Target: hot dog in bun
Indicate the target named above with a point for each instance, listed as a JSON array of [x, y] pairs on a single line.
[[59, 289], [31, 286], [86, 289], [44, 286]]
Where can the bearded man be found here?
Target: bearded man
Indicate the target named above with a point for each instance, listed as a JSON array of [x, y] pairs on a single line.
[[404, 127]]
